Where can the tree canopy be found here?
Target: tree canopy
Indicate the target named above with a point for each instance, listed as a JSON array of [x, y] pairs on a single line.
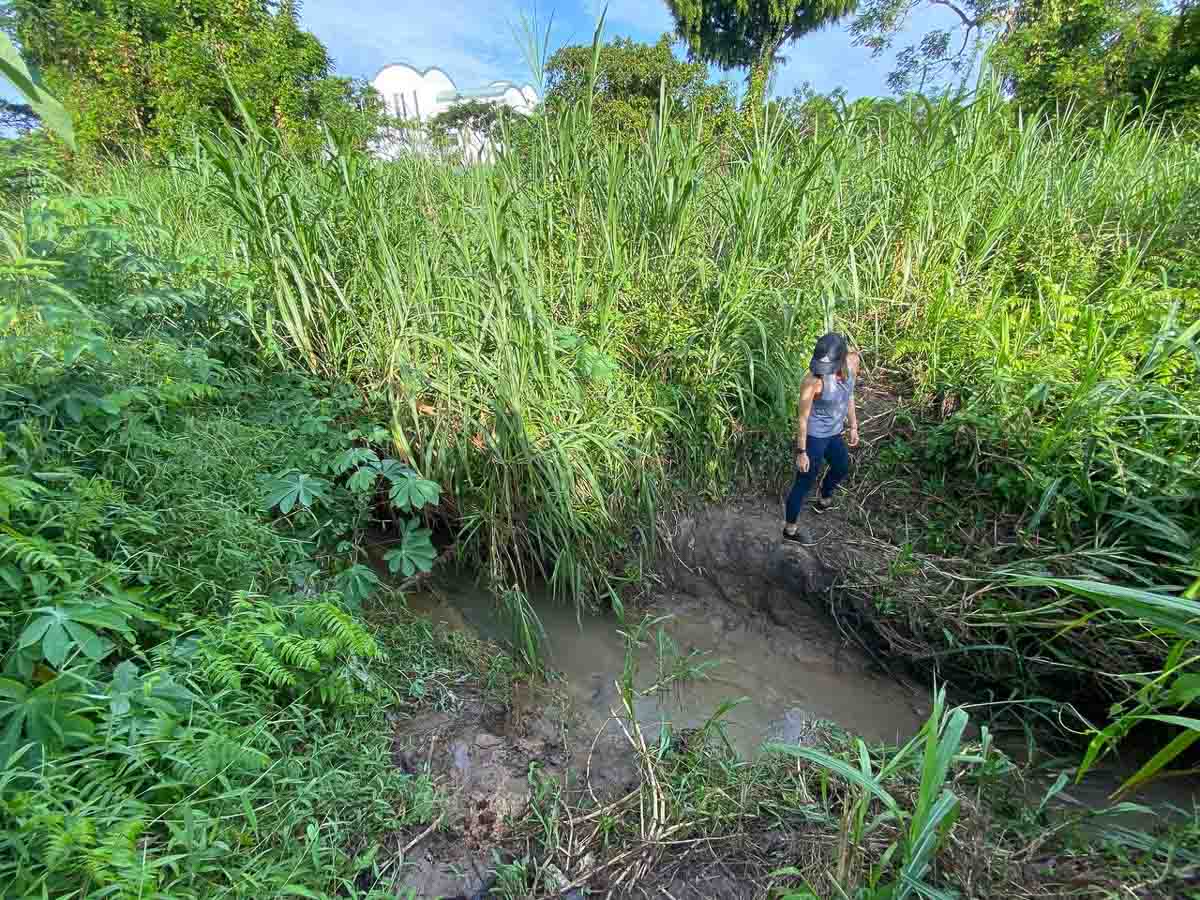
[[1086, 53], [628, 75], [140, 76], [735, 34]]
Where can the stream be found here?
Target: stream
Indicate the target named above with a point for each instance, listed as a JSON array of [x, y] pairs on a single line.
[[789, 681], [792, 682]]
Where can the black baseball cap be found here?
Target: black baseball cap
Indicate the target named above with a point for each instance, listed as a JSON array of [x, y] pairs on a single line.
[[829, 355]]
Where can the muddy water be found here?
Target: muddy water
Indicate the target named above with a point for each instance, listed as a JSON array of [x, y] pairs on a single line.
[[791, 682]]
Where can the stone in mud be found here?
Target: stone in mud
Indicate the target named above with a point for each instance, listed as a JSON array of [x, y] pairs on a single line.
[[485, 741], [743, 559], [797, 727]]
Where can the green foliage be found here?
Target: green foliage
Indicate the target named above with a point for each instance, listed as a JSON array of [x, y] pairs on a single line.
[[307, 649], [1158, 696], [597, 321], [410, 492], [28, 85], [1177, 84], [750, 33], [185, 687], [628, 78], [415, 553], [293, 488], [539, 355], [906, 865], [144, 77], [947, 50], [473, 117], [1087, 54]]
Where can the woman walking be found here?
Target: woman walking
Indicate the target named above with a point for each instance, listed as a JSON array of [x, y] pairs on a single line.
[[826, 407]]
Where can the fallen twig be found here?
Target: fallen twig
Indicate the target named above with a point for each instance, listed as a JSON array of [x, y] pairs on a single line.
[[424, 834]]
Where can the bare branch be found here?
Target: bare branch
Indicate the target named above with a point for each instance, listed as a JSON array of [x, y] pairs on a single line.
[[966, 20], [966, 37]]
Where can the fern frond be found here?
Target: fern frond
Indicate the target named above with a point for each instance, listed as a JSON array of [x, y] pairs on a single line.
[[222, 755], [265, 663], [16, 493], [29, 550], [221, 670], [300, 653], [352, 637]]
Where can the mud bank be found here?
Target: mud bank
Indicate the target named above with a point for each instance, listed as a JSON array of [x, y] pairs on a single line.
[[748, 626]]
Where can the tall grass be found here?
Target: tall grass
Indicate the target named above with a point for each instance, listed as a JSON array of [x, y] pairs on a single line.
[[574, 334], [921, 829]]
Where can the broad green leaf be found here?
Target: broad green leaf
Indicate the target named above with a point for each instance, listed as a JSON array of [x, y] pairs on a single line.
[[47, 716], [362, 480], [10, 739], [394, 470], [55, 645], [90, 644], [101, 618], [415, 553], [34, 630], [294, 488], [413, 493], [165, 687], [357, 583], [355, 456], [52, 113], [124, 682], [12, 577], [73, 408], [1185, 689]]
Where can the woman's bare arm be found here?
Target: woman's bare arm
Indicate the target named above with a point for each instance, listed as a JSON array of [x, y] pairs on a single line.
[[808, 392], [853, 363]]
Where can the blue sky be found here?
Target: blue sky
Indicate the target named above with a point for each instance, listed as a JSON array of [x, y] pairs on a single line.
[[473, 42]]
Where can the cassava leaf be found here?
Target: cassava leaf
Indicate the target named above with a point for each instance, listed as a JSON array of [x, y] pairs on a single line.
[[394, 470], [362, 480], [415, 553], [293, 488], [55, 644], [91, 644], [357, 583], [413, 492], [355, 456]]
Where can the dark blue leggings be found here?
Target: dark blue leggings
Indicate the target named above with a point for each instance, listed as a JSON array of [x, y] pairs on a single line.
[[819, 450]]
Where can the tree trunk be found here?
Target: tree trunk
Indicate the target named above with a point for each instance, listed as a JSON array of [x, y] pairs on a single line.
[[755, 101]]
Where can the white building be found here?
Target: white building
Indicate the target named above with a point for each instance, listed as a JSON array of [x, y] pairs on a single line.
[[414, 97]]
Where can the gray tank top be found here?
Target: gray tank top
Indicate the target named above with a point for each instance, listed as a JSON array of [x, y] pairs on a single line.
[[830, 407]]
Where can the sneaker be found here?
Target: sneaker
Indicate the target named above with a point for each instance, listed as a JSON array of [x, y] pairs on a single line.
[[801, 536], [824, 504]]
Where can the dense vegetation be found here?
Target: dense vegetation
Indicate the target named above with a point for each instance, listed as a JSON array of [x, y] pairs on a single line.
[[223, 372], [142, 78]]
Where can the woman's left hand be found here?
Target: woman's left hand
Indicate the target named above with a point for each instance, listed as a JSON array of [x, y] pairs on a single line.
[[853, 436]]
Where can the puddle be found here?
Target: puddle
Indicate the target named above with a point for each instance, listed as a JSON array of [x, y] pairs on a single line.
[[790, 680]]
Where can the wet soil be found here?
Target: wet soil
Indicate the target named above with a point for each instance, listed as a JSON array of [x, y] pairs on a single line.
[[792, 685], [789, 631]]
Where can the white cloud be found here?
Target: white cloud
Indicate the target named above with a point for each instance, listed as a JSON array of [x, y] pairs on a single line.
[[472, 40], [469, 40]]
